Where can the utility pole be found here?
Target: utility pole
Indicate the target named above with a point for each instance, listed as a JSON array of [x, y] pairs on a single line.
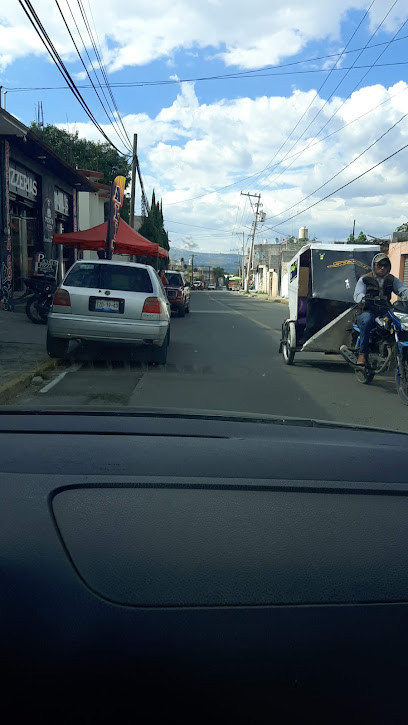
[[192, 270], [254, 223], [133, 186], [243, 256]]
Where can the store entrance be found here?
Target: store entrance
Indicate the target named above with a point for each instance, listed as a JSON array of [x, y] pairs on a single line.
[[23, 227]]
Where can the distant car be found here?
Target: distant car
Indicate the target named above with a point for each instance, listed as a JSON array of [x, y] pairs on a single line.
[[211, 285], [178, 292], [110, 302], [198, 285]]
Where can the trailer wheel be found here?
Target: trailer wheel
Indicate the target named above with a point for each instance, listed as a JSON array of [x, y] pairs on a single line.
[[287, 351]]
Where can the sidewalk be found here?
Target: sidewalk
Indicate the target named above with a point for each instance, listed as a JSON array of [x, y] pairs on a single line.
[[265, 298], [22, 353]]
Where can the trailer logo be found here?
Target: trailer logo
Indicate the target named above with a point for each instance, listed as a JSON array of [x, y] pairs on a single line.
[[343, 262], [293, 271]]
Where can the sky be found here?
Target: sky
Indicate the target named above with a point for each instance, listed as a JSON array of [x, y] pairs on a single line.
[[290, 100]]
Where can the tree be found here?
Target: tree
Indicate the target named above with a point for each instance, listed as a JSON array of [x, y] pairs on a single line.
[[86, 154], [361, 239], [402, 227], [153, 225], [218, 272]]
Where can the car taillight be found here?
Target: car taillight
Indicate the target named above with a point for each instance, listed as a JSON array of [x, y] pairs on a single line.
[[62, 298], [152, 306]]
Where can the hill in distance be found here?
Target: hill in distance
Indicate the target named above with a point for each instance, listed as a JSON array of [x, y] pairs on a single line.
[[229, 262]]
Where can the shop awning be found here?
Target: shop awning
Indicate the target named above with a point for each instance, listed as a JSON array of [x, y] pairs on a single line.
[[128, 241]]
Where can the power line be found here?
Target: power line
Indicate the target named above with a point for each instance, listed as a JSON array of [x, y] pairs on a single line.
[[332, 94], [343, 169], [48, 44], [317, 94], [120, 135], [341, 187], [196, 226], [337, 110], [297, 153], [142, 84], [99, 58], [256, 73]]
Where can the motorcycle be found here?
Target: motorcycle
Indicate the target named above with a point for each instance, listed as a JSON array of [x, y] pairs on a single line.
[[38, 305], [388, 346]]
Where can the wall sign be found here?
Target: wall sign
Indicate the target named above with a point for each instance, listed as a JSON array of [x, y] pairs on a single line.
[[44, 266], [22, 181], [61, 202], [48, 217]]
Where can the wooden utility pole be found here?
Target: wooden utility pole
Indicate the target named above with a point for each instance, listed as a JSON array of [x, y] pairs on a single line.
[[254, 223], [133, 186]]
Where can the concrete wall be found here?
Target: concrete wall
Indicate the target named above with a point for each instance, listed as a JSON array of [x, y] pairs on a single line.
[[397, 254], [273, 283], [91, 210]]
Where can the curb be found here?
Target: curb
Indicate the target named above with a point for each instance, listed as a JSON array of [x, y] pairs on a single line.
[[18, 384], [278, 300]]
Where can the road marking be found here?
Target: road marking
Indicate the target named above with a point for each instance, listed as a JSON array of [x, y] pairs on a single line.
[[256, 322], [71, 369]]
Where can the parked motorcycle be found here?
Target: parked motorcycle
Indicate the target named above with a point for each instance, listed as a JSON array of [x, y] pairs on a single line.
[[388, 346], [41, 291]]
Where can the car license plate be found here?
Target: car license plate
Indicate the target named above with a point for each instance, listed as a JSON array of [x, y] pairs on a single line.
[[107, 305]]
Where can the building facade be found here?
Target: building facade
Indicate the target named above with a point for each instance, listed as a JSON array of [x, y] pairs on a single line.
[[38, 193], [270, 266]]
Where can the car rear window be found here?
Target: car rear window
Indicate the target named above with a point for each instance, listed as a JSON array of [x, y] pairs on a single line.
[[113, 277], [174, 280]]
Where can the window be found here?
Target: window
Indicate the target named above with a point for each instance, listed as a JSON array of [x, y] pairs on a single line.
[[174, 280], [112, 276], [85, 274]]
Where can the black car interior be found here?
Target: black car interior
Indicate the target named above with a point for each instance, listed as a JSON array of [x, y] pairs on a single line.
[[202, 568]]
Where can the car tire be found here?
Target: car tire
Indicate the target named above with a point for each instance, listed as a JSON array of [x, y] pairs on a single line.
[[57, 347], [159, 354], [182, 311]]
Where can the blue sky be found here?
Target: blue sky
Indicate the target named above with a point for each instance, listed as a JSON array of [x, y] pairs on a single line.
[[197, 137]]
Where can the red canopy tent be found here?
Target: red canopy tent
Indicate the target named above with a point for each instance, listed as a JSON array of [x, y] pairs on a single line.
[[127, 241]]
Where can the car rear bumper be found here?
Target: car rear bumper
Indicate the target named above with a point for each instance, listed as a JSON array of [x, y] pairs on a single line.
[[68, 326]]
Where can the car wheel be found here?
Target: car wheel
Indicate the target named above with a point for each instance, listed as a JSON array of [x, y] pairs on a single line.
[[159, 354], [56, 347], [182, 311]]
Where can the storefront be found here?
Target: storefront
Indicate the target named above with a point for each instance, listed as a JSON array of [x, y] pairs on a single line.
[[24, 222], [38, 198]]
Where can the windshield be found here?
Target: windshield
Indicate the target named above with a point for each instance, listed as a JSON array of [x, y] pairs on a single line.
[[205, 217]]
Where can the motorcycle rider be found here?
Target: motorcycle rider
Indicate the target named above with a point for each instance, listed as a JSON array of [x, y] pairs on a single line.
[[377, 284]]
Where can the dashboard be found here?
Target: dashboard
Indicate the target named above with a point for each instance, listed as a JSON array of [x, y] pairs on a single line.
[[219, 568]]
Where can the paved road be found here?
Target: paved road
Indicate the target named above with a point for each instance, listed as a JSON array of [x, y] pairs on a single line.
[[224, 357]]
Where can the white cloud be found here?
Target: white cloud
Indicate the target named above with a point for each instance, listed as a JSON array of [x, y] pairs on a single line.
[[80, 76], [190, 148], [247, 35]]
